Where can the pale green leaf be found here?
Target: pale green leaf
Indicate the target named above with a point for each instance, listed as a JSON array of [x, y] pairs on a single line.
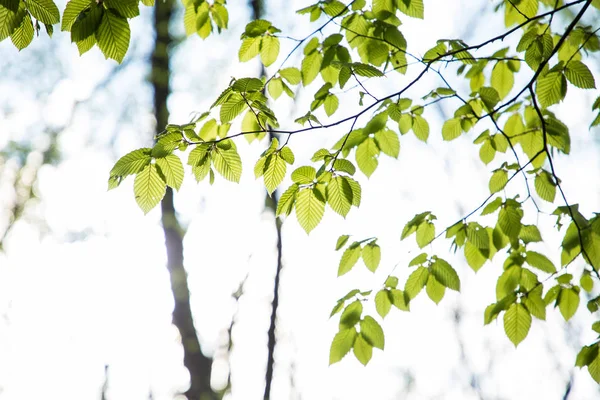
[[310, 207], [113, 36], [580, 75], [269, 50], [149, 188], [388, 142], [383, 303], [172, 170], [366, 156], [517, 322], [304, 175], [502, 79], [540, 262], [362, 350], [341, 345], [44, 11], [228, 163], [349, 258], [445, 274], [568, 302], [339, 195], [416, 281], [451, 129], [372, 332], [551, 89], [371, 255], [498, 180], [434, 289]]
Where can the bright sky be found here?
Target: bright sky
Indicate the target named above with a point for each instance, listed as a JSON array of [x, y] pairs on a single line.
[[94, 290]]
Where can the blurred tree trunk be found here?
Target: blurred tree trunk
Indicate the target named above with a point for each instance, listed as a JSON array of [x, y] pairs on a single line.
[[198, 365], [258, 11]]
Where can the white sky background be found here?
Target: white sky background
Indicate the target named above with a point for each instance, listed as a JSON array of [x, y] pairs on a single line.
[[70, 307]]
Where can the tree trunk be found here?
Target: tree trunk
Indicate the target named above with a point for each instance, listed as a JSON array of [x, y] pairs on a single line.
[[198, 365], [258, 10]]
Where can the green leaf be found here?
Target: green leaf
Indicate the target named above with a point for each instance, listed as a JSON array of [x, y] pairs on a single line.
[[425, 234], [530, 234], [509, 220], [132, 163], [172, 169], [339, 195], [11, 5], [44, 11], [579, 75], [502, 79], [343, 165], [451, 129], [286, 202], [247, 85], [545, 186], [304, 175], [149, 188], [492, 206], [540, 262], [366, 156], [400, 299], [125, 8], [586, 281], [331, 104], [269, 50], [418, 260], [23, 35], [420, 127], [388, 142], [341, 242], [517, 321], [568, 302], [341, 345], [383, 303], [113, 36], [362, 350], [310, 207], [349, 258], [416, 282], [366, 70], [228, 163], [551, 89], [498, 180], [434, 289], [11, 20], [292, 75], [86, 25], [274, 172], [356, 191], [371, 255], [445, 274], [351, 314], [249, 49], [372, 332], [311, 65], [287, 155], [412, 8]]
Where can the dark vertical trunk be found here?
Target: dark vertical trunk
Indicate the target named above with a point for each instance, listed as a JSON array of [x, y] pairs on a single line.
[[198, 365], [258, 10], [272, 201]]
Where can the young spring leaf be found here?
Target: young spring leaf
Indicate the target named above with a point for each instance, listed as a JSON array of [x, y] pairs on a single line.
[[371, 255], [149, 188], [517, 321], [341, 345], [310, 207], [372, 332]]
